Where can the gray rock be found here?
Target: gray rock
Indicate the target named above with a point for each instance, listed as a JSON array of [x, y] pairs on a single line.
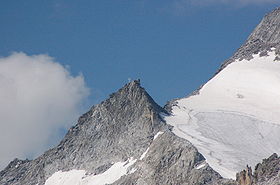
[[266, 173]]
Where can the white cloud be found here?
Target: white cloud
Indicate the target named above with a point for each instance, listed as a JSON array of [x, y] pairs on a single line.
[[38, 96]]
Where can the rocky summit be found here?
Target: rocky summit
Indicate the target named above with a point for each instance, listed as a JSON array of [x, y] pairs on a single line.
[[205, 138]]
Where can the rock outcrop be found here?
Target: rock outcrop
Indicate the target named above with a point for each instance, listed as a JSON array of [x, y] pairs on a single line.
[[266, 173], [245, 177]]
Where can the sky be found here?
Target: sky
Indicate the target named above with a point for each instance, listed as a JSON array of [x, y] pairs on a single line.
[[59, 57]]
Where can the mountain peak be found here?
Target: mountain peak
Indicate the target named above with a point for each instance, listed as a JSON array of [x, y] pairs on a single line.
[[133, 93], [134, 83]]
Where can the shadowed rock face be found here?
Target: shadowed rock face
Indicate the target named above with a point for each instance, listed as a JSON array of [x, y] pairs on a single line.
[[266, 173]]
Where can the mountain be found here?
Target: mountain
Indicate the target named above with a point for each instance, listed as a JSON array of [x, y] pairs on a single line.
[[230, 123]]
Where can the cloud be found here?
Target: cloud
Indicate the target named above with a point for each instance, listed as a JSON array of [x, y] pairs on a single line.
[[38, 98]]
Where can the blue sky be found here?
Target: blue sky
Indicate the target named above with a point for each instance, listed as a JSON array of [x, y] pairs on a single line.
[[172, 46]]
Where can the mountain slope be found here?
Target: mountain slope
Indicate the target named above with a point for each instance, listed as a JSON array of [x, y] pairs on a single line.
[[234, 119]]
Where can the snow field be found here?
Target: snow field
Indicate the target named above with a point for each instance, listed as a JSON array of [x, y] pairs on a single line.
[[235, 118]]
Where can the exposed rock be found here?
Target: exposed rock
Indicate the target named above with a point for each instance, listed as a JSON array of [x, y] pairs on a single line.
[[16, 170], [266, 173], [245, 177]]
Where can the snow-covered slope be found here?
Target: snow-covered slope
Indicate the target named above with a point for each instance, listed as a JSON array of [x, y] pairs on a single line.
[[235, 118], [74, 177]]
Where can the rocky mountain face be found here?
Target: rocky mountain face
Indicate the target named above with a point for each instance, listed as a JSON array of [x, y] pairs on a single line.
[[267, 172], [130, 125]]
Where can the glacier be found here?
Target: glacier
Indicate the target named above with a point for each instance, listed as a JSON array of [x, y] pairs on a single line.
[[234, 119]]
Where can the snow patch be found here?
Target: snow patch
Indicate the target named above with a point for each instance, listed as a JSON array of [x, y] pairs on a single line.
[[203, 164], [144, 154], [157, 134], [132, 171], [79, 177]]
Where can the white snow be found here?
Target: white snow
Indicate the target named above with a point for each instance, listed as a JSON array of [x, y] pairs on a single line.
[[79, 177], [235, 119], [157, 134], [72, 177], [203, 164], [144, 154]]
